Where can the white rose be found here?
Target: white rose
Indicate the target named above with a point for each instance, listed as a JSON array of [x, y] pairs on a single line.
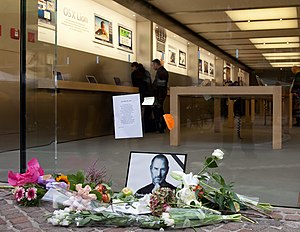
[[55, 221], [65, 223], [218, 154]]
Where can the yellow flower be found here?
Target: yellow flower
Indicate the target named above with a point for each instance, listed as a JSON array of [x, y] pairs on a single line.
[[62, 178]]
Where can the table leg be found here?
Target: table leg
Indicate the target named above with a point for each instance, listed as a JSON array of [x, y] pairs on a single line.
[[175, 112], [277, 118]]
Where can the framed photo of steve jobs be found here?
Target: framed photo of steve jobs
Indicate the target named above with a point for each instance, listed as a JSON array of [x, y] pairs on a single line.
[[148, 171]]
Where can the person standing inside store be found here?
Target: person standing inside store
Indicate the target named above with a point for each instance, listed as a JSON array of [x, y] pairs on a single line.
[[160, 90], [296, 94], [141, 78]]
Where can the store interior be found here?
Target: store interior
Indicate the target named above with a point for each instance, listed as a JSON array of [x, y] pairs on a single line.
[[70, 85]]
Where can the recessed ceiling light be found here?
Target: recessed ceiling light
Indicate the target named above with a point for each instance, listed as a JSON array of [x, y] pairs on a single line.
[[283, 57], [263, 14], [286, 54], [269, 25], [285, 64], [133, 15], [275, 42], [270, 14]]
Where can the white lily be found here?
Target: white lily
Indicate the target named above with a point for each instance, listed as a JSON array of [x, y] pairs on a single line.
[[218, 154], [177, 175], [189, 180], [187, 196]]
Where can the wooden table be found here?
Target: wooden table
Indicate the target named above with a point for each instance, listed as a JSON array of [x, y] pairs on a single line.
[[233, 91]]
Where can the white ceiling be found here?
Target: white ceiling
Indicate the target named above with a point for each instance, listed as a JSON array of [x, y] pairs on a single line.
[[209, 20]]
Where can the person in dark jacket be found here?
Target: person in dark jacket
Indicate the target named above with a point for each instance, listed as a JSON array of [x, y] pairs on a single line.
[[296, 94], [160, 90]]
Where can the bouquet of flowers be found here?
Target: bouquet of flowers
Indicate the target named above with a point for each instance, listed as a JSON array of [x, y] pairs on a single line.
[[27, 191], [209, 189], [29, 194]]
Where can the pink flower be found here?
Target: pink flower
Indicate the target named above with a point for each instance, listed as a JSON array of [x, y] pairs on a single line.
[[31, 194], [19, 193], [31, 176]]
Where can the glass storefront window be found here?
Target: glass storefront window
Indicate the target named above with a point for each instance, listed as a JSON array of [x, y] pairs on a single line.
[[79, 55]]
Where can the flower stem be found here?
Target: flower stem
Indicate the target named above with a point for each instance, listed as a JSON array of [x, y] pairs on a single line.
[[205, 167]]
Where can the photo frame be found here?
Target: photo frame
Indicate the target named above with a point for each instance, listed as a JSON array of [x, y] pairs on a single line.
[[139, 171], [46, 13], [103, 31], [172, 55], [211, 69], [182, 59], [125, 38], [200, 65], [205, 67]]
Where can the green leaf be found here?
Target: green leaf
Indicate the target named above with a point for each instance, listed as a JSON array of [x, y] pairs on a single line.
[[80, 177], [84, 221], [231, 206], [211, 163], [98, 195], [219, 179]]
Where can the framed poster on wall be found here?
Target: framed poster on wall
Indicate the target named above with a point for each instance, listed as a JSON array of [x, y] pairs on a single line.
[[103, 31], [125, 38], [211, 69], [206, 67], [182, 59], [200, 65], [172, 55], [46, 12]]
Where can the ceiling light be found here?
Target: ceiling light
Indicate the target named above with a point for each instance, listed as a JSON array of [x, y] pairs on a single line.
[[286, 54], [285, 64], [283, 58], [270, 14], [263, 14], [133, 15], [277, 45], [267, 25], [294, 39], [275, 42]]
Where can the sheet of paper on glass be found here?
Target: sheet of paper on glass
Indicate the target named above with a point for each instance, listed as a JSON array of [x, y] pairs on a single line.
[[127, 116], [148, 101]]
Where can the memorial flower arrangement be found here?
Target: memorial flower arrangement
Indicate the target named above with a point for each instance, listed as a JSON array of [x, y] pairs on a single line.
[[86, 199], [199, 200]]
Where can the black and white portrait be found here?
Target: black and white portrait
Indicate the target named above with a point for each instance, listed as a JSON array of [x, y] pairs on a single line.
[[182, 58], [172, 55], [150, 171]]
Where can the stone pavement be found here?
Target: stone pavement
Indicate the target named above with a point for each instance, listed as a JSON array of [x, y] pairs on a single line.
[[33, 219]]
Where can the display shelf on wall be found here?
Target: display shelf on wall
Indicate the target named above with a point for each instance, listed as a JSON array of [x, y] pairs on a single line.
[[83, 86]]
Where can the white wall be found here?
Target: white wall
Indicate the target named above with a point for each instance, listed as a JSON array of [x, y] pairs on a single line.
[[177, 44], [76, 29], [209, 59]]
